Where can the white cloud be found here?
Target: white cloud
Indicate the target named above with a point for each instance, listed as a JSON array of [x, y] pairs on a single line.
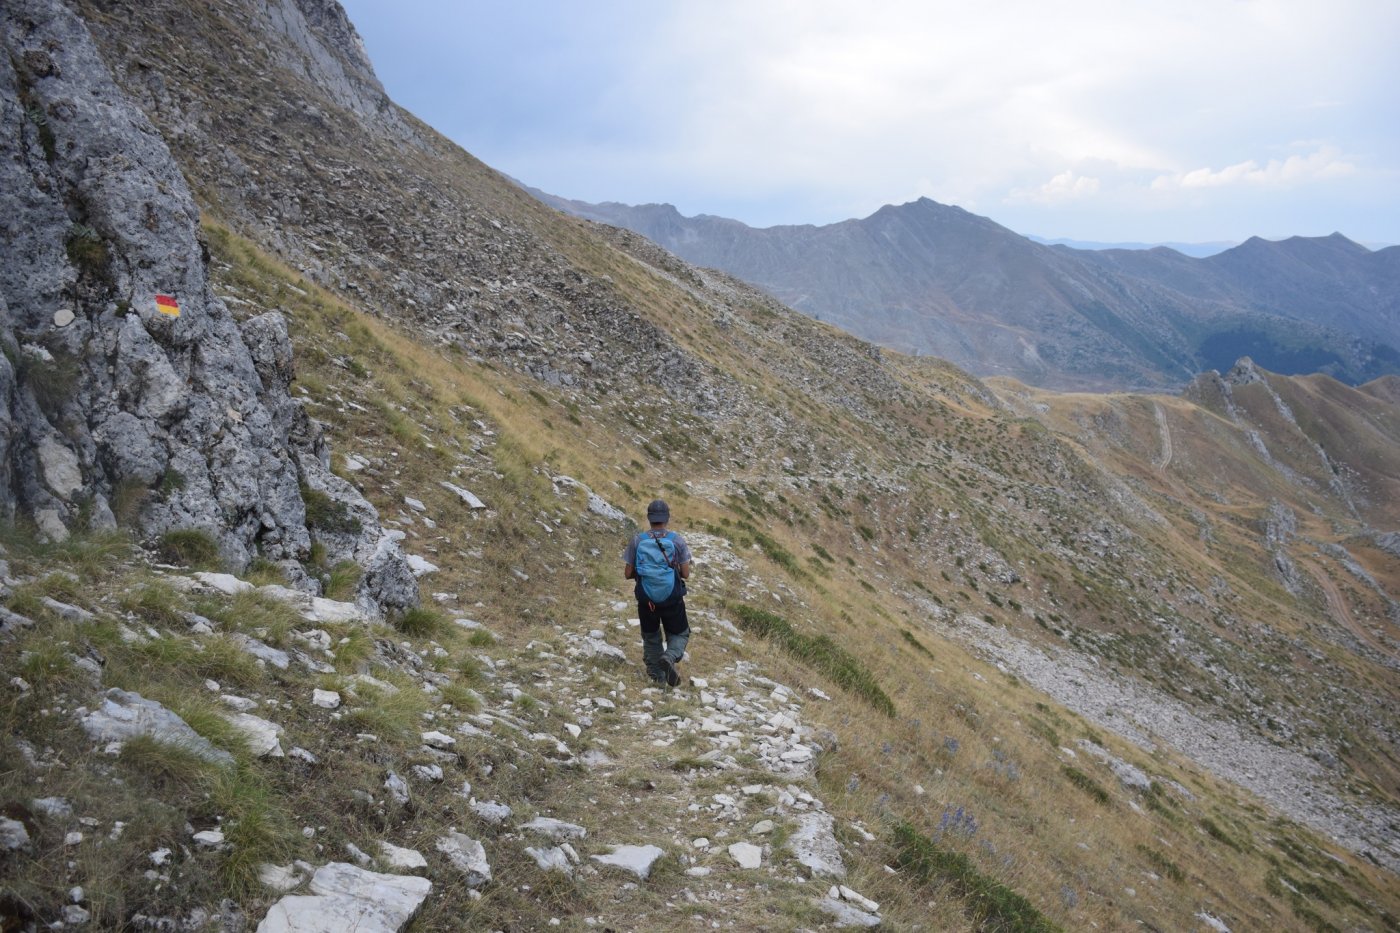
[[1124, 115], [1326, 162], [1064, 187]]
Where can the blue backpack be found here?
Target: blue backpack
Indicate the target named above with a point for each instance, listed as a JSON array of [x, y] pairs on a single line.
[[658, 577]]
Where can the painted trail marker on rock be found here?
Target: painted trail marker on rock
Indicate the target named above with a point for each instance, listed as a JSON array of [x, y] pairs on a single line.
[[166, 304]]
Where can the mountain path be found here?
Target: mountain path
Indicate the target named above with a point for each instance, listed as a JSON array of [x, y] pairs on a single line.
[[711, 772], [1165, 432], [1341, 611]]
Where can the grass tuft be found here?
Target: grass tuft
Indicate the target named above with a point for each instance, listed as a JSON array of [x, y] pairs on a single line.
[[190, 547], [1087, 784], [991, 904], [420, 622], [819, 652]]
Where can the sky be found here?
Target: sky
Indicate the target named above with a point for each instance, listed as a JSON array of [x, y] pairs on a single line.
[[1106, 120]]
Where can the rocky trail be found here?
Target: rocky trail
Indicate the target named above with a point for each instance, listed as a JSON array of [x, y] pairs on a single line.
[[708, 788], [713, 779]]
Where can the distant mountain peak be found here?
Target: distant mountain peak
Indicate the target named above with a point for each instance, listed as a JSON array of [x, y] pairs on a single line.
[[937, 279]]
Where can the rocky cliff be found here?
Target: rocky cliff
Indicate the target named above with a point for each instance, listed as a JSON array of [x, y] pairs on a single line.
[[131, 395]]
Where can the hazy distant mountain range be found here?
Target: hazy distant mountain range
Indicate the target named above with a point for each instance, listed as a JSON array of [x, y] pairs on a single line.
[[924, 277], [1198, 250]]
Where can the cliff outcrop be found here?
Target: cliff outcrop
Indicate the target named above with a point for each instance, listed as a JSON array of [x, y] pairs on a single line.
[[130, 394]]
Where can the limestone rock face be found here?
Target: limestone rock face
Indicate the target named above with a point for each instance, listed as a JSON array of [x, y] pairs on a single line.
[[171, 410]]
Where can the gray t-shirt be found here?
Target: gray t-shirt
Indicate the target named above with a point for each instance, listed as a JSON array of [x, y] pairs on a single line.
[[629, 557]]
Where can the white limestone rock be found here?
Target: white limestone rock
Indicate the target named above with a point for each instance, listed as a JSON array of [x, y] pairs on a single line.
[[847, 915], [491, 812], [746, 854], [348, 898], [13, 835], [471, 501], [263, 652], [225, 583], [847, 894], [281, 878], [420, 566], [468, 856], [331, 610], [556, 830], [326, 699], [637, 860], [401, 858], [815, 847], [263, 737], [126, 715], [438, 740], [553, 859], [598, 648], [397, 788]]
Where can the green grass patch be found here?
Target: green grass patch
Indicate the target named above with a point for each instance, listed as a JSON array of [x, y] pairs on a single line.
[[270, 619], [341, 581], [1214, 831], [990, 904], [1087, 784], [819, 652], [156, 603], [190, 547], [1161, 864], [326, 514], [166, 764], [480, 638], [918, 645], [420, 622]]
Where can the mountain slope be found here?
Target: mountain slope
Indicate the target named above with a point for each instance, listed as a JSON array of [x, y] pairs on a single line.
[[869, 526], [923, 277]]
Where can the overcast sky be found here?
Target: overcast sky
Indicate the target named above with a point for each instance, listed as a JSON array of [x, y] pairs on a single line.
[[1120, 120]]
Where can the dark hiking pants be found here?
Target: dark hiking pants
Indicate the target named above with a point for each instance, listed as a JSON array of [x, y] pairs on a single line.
[[669, 621]]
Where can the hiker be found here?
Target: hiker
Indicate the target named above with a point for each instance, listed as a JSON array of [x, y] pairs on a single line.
[[659, 560]]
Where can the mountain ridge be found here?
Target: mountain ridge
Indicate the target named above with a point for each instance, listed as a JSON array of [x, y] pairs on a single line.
[[926, 277]]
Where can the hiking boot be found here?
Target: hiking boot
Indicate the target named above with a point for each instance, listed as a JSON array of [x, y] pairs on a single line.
[[673, 677]]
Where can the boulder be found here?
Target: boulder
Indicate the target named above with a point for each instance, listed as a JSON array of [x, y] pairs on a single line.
[[125, 715], [815, 846], [401, 858], [556, 830], [263, 737], [345, 897], [141, 391], [637, 860], [467, 856], [746, 854]]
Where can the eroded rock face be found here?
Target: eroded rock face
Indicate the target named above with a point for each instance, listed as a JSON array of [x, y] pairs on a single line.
[[112, 405]]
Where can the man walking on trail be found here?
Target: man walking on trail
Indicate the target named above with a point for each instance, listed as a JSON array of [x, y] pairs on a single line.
[[659, 560]]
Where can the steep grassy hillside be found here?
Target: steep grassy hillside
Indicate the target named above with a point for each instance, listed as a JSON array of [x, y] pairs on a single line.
[[1053, 661]]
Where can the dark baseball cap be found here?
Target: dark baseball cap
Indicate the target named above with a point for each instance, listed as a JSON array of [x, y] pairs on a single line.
[[658, 511]]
